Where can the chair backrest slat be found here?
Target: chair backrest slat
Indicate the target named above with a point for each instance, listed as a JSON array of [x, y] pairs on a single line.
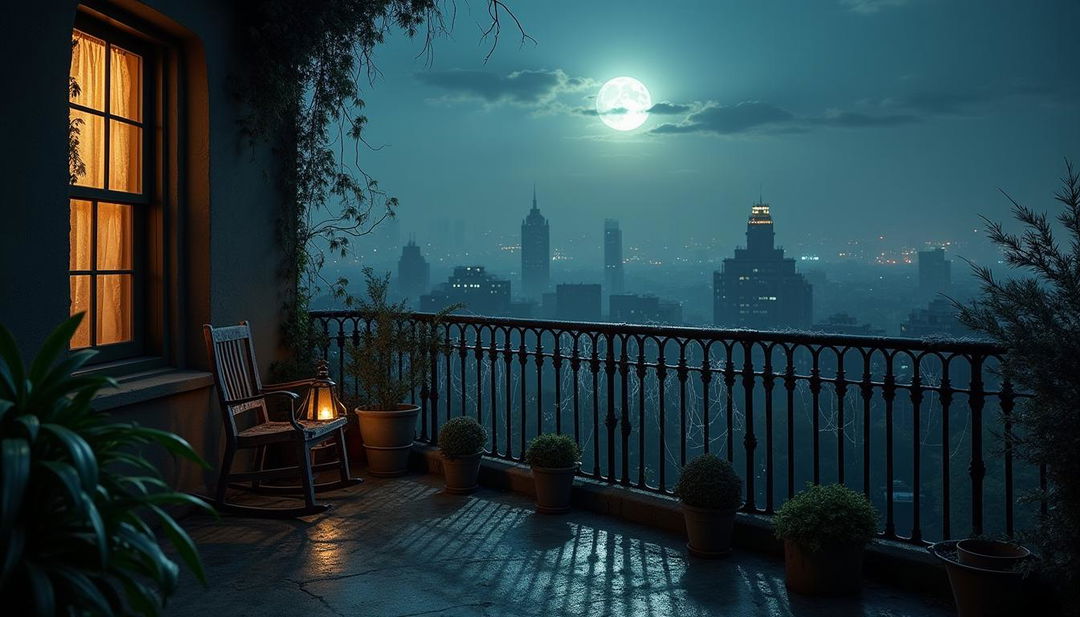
[[232, 358]]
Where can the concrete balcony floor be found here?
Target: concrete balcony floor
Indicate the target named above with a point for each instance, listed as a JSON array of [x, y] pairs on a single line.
[[402, 547]]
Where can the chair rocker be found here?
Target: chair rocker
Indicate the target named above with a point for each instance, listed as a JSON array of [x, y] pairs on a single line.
[[239, 390]]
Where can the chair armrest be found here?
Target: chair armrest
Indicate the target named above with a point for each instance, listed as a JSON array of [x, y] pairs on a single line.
[[293, 397], [287, 385]]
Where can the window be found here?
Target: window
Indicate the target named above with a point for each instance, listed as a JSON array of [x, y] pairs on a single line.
[[110, 189]]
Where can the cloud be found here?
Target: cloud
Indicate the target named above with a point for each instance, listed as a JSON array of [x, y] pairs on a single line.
[[869, 7], [728, 119], [666, 108], [527, 88]]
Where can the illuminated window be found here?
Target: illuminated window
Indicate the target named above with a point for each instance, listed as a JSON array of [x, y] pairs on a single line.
[[108, 194]]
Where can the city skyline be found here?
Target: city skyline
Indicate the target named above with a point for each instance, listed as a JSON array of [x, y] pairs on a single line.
[[849, 124]]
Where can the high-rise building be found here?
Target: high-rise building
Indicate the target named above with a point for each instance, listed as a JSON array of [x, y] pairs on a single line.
[[414, 273], [613, 258], [480, 292], [535, 253], [759, 287], [939, 318], [935, 273], [577, 302]]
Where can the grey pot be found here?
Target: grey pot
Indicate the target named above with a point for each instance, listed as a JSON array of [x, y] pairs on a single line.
[[388, 438]]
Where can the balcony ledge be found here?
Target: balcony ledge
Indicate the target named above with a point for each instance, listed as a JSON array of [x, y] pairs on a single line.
[[151, 385]]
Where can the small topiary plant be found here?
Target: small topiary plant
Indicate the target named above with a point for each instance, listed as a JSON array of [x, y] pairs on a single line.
[[709, 482], [826, 514], [462, 436], [553, 452]]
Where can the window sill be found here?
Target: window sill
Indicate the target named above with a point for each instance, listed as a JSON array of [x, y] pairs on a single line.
[[150, 385]]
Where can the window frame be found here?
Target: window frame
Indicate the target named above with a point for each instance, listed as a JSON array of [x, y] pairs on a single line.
[[152, 283]]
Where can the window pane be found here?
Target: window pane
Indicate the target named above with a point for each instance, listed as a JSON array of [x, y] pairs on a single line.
[[89, 133], [125, 89], [113, 237], [88, 70], [79, 236], [125, 157], [113, 308], [80, 302]]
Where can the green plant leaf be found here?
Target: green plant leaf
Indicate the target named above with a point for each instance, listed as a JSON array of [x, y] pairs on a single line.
[[183, 543], [14, 474], [82, 586], [68, 479], [31, 424], [98, 525], [41, 590], [82, 456], [54, 345], [12, 377], [5, 405], [13, 553], [172, 442]]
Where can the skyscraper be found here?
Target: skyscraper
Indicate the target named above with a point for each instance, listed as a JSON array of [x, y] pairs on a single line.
[[613, 260], [414, 273], [535, 253], [759, 287], [935, 273]]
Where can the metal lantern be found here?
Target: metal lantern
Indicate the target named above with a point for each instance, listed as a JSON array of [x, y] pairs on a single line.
[[322, 402]]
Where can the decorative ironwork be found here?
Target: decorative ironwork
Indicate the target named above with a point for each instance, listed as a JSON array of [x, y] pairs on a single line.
[[906, 421]]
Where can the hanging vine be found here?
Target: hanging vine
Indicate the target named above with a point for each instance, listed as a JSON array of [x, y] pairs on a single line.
[[304, 64]]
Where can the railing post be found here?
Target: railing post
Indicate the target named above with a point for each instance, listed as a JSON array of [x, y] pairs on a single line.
[[611, 421], [888, 393], [749, 437], [977, 469]]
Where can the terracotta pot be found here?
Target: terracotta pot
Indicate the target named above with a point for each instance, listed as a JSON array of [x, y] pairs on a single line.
[[709, 530], [982, 592], [461, 473], [832, 570], [991, 554], [388, 438], [553, 487]]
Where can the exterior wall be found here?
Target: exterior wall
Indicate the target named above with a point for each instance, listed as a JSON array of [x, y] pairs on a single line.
[[223, 266]]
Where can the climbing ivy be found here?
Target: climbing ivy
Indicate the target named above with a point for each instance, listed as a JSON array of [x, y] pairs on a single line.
[[303, 67]]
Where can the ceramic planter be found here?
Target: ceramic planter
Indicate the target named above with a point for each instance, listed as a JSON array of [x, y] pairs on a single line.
[[991, 554], [832, 570], [461, 473], [984, 592], [388, 438], [709, 530], [553, 487]]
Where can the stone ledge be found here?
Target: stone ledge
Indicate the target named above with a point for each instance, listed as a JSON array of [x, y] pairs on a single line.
[[151, 385], [903, 566]]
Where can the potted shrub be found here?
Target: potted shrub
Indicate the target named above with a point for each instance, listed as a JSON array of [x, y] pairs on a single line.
[[79, 500], [824, 529], [387, 424], [554, 460], [1032, 312], [711, 493], [461, 442]]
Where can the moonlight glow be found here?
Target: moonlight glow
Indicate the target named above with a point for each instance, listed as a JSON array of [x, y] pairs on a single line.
[[623, 103]]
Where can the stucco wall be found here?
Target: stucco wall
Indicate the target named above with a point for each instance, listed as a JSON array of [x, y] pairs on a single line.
[[227, 250]]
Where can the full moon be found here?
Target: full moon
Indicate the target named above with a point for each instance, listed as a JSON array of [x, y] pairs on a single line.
[[623, 103]]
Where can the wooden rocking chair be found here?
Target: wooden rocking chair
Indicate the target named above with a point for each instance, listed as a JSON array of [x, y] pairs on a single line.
[[239, 390]]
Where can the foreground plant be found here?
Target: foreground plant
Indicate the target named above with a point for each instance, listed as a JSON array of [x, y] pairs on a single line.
[[1037, 320], [78, 500]]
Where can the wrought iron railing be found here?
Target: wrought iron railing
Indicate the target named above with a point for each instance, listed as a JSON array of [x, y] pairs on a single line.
[[917, 425]]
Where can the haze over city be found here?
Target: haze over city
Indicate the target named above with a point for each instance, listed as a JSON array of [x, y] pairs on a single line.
[[873, 129]]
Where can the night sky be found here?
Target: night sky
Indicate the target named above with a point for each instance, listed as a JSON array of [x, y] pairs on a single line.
[[853, 117]]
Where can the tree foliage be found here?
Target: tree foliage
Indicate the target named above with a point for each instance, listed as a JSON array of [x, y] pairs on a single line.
[[1037, 319]]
